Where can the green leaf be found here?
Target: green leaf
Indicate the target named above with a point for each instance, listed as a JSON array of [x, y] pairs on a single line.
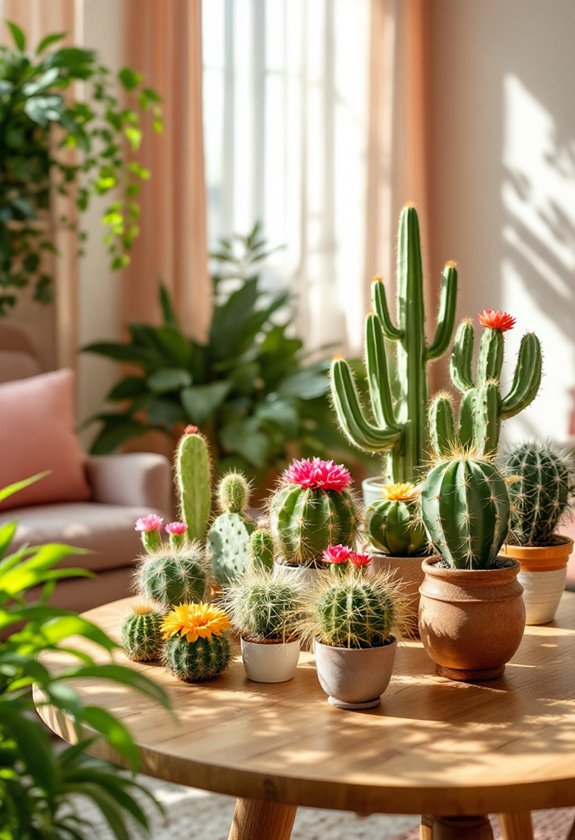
[[280, 413], [5, 492], [116, 430], [121, 675], [168, 312], [17, 35], [130, 386], [115, 733], [227, 331], [46, 80], [129, 78], [165, 413], [34, 747], [123, 352], [168, 379], [201, 401], [305, 384], [61, 628], [245, 439], [49, 40]]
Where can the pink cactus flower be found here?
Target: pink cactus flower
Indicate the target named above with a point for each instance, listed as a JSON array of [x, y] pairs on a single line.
[[152, 522], [176, 528], [495, 319], [337, 554], [359, 560], [316, 474], [191, 430]]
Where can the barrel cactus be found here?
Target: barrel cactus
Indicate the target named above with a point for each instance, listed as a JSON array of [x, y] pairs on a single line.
[[141, 634], [193, 477], [312, 509], [229, 534], [541, 487], [393, 524], [263, 606], [197, 646], [465, 508], [175, 577]]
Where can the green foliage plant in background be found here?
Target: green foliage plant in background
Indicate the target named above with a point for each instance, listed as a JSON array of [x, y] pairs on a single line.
[[43, 788], [58, 138], [250, 387]]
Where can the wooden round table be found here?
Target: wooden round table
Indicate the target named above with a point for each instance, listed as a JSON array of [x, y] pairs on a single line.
[[452, 750]]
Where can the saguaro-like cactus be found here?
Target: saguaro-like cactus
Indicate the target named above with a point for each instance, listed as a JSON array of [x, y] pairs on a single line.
[[194, 482], [482, 406], [398, 423]]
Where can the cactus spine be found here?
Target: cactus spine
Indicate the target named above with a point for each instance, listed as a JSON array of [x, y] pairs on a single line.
[[229, 534], [393, 524], [482, 407], [541, 487], [141, 634], [466, 509], [174, 577], [193, 473], [198, 661], [398, 424], [261, 550], [264, 606]]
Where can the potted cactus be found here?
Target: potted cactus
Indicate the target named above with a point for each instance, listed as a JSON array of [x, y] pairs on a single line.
[[353, 620], [312, 508], [398, 542], [197, 641], [141, 633], [471, 615], [265, 607], [229, 533], [541, 487]]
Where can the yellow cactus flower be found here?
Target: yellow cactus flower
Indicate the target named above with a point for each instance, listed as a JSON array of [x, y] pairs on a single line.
[[195, 621], [402, 492]]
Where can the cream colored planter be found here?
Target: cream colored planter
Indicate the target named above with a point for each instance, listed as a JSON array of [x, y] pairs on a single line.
[[305, 576], [543, 574], [354, 678], [270, 662]]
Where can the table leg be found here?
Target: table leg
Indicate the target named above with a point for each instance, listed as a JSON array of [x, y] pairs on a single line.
[[517, 826], [461, 828], [255, 820], [426, 828]]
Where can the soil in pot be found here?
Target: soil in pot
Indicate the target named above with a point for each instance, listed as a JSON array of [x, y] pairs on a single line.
[[543, 574]]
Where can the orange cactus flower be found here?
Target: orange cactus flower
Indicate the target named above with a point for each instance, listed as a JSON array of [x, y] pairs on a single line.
[[495, 319], [195, 621]]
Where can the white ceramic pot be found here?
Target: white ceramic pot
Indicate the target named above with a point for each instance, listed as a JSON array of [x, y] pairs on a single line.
[[371, 489], [354, 678], [542, 576], [305, 576], [270, 662]]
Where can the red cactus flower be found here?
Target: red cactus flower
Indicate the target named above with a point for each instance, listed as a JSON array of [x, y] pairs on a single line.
[[359, 560], [495, 319], [316, 474], [152, 522], [337, 554], [191, 430], [176, 528]]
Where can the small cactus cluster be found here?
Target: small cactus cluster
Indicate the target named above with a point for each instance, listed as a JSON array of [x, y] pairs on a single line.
[[229, 533], [393, 524], [197, 645], [141, 634], [312, 508], [541, 487], [175, 577], [349, 608], [466, 509]]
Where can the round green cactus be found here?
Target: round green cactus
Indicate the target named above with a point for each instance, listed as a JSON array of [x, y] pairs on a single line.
[[312, 509], [174, 577], [141, 634], [465, 508], [229, 534], [264, 606], [393, 523], [196, 661], [541, 488]]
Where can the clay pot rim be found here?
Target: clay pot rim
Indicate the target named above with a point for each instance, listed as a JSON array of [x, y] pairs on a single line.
[[555, 555], [390, 641], [479, 575]]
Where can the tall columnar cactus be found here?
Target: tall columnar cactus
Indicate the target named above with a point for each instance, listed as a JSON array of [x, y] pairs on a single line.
[[193, 474], [261, 550], [482, 406], [229, 534], [312, 509], [393, 524], [466, 511], [141, 634], [541, 487], [175, 577], [197, 646], [398, 423]]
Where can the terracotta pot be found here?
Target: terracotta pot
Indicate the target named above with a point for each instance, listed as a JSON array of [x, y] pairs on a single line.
[[354, 678], [270, 662], [543, 574], [409, 571], [471, 622]]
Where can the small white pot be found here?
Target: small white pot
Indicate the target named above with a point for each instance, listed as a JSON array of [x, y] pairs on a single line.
[[271, 662], [304, 576], [371, 489], [354, 678], [542, 592]]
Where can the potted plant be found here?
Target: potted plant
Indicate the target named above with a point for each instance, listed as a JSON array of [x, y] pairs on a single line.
[[56, 143], [313, 507], [471, 614], [353, 620], [398, 542], [265, 607], [541, 487], [197, 644], [229, 533]]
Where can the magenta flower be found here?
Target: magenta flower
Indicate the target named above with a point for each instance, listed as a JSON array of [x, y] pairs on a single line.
[[152, 522], [317, 474], [359, 560], [336, 554], [176, 528]]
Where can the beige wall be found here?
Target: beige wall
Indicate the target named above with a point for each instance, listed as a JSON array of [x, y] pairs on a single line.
[[503, 178]]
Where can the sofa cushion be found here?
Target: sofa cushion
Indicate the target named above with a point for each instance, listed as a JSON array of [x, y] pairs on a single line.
[[37, 434], [107, 530]]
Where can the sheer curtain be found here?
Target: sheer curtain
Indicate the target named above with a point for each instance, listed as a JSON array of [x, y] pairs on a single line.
[[314, 123]]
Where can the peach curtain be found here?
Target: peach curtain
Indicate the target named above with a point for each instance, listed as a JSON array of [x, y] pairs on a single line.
[[164, 43]]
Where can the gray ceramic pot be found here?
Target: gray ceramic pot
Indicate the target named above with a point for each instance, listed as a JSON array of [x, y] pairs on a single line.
[[354, 678]]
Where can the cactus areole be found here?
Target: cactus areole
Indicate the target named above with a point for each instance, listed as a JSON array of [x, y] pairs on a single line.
[[398, 425]]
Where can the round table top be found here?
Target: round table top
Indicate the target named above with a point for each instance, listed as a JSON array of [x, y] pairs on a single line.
[[433, 746]]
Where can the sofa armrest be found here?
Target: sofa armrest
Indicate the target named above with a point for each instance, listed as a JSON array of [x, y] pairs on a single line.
[[137, 479]]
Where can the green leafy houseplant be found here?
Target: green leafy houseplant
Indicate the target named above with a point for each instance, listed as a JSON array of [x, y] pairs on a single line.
[[53, 142], [249, 387], [41, 786]]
